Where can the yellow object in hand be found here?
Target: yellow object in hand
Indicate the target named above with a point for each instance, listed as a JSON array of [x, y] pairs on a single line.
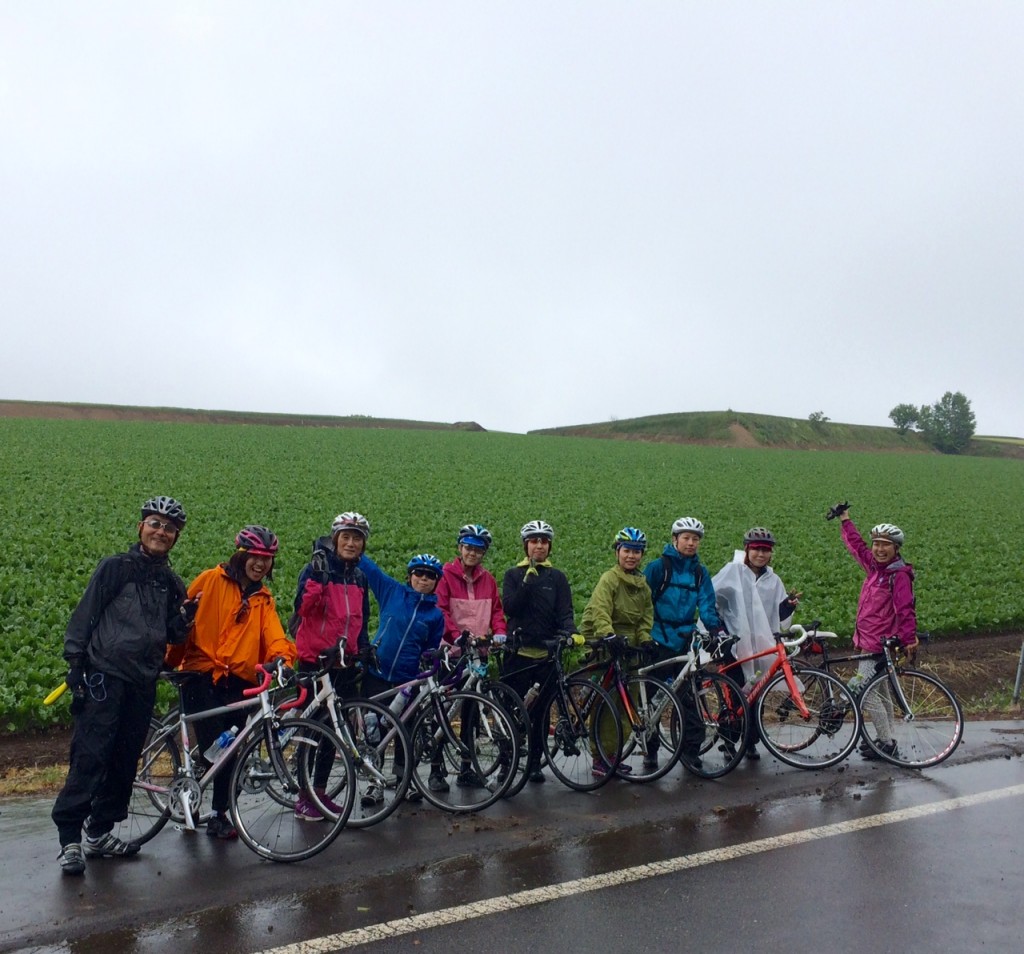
[[56, 694]]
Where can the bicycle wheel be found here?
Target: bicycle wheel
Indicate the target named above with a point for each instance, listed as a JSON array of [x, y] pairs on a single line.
[[149, 807], [826, 737], [926, 731], [711, 732], [582, 734], [510, 700], [657, 707], [382, 756], [272, 771], [465, 749]]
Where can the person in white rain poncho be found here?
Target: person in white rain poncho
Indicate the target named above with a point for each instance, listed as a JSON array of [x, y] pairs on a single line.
[[753, 603]]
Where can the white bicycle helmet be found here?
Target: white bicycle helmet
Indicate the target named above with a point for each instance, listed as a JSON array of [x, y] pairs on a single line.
[[888, 531], [537, 528], [350, 520], [688, 525]]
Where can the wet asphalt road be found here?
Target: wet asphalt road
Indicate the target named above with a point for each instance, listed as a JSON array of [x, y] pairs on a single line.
[[725, 865]]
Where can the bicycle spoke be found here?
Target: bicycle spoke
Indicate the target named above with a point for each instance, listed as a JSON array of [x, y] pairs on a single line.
[[826, 737], [925, 731]]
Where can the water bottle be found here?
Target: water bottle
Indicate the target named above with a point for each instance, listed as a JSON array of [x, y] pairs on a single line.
[[748, 686], [216, 749], [856, 683], [531, 694], [401, 700]]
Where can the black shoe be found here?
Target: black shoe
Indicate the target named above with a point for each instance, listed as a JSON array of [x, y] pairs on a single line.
[[437, 782], [888, 748], [536, 775], [752, 754], [220, 827], [467, 778], [694, 760]]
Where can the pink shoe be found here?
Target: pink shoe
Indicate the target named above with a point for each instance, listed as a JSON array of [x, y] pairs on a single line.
[[324, 799], [305, 810]]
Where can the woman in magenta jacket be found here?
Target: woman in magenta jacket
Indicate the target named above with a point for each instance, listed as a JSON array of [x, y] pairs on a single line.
[[886, 608]]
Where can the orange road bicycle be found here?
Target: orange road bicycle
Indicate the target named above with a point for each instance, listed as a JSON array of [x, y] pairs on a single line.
[[806, 718]]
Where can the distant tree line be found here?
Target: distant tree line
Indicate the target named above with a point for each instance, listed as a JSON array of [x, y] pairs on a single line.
[[948, 424]]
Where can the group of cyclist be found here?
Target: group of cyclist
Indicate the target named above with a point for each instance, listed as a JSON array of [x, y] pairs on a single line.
[[137, 617]]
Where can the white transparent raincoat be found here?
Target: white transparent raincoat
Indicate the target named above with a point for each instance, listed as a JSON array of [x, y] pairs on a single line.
[[749, 607]]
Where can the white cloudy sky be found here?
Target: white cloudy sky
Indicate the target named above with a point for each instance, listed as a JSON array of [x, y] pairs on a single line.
[[524, 214]]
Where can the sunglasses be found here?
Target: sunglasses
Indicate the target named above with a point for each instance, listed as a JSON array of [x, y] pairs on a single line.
[[154, 524], [426, 573]]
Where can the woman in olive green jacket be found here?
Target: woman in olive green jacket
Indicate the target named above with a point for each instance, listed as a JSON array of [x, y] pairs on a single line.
[[621, 605]]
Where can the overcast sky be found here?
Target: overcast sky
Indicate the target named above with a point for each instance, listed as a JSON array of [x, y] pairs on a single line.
[[523, 214]]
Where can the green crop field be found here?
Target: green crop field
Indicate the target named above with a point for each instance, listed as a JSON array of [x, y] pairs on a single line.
[[71, 491]]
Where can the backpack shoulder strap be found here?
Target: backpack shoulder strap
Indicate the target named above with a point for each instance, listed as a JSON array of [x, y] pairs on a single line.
[[666, 575]]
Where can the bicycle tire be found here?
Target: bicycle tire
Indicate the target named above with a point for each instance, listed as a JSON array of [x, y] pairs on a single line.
[[571, 738], [656, 707], [149, 808], [513, 704], [824, 739], [383, 760], [928, 732], [267, 765], [718, 705], [490, 754]]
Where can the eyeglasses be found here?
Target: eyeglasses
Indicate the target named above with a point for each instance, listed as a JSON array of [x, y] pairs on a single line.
[[427, 573], [154, 524]]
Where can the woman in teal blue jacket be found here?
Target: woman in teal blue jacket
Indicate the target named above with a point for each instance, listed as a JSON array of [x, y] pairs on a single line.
[[681, 588]]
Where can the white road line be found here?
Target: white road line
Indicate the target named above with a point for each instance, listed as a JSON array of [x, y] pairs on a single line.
[[522, 899]]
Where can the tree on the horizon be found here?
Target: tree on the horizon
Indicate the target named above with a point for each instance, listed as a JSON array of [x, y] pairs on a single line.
[[948, 425], [905, 417]]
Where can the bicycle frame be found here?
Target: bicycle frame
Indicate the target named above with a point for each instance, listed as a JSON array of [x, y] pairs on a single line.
[[780, 661], [258, 696]]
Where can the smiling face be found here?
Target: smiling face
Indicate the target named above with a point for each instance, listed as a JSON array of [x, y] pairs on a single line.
[[759, 557], [348, 545], [884, 551], [157, 535], [629, 558], [470, 556], [257, 567], [423, 581]]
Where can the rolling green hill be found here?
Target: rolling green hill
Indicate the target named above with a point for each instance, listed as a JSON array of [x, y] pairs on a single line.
[[740, 429]]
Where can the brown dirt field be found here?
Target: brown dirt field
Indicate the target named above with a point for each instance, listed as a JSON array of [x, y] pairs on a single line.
[[975, 667]]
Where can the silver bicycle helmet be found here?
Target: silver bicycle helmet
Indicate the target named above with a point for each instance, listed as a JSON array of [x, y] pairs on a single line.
[[165, 507], [888, 531], [688, 525], [537, 528]]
